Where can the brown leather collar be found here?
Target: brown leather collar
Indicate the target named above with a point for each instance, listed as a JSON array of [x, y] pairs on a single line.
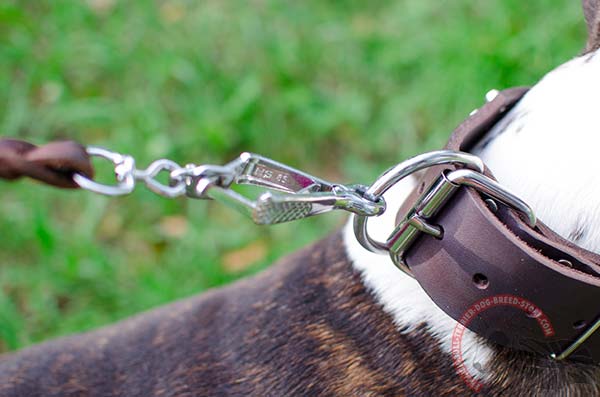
[[526, 289]]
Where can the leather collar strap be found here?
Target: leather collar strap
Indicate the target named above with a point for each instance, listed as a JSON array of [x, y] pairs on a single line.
[[526, 289]]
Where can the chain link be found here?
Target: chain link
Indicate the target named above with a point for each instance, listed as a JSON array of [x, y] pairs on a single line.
[[176, 186]]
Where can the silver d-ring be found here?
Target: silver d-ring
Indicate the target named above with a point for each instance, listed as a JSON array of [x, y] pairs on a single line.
[[395, 174], [124, 168]]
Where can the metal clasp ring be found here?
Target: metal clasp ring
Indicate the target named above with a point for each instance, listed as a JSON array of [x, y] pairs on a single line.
[[395, 174], [124, 170]]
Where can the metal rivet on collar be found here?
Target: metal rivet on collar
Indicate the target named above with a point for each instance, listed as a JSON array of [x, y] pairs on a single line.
[[565, 262], [491, 205], [491, 95]]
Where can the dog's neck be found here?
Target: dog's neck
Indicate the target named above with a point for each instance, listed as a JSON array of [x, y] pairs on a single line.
[[544, 150]]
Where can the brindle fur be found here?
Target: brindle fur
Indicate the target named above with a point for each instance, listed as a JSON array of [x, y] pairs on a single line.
[[306, 326]]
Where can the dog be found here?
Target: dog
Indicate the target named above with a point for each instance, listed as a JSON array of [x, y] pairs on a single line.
[[337, 320]]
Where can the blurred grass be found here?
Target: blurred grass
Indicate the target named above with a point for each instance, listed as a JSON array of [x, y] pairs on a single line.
[[341, 89]]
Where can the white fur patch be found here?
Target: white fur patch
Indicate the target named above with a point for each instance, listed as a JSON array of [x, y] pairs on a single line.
[[545, 151]]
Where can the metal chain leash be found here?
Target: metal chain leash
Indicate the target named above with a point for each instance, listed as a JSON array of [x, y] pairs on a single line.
[[301, 195]]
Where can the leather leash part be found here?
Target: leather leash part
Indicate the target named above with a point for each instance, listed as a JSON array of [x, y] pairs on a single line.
[[493, 244], [54, 163]]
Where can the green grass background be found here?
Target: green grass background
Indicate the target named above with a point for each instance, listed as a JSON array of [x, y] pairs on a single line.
[[342, 89]]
